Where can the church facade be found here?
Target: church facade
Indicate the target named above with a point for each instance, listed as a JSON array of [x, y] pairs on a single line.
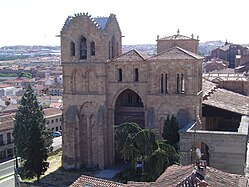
[[103, 87]]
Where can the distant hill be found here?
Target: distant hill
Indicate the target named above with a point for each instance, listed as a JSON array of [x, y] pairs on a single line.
[[205, 48]]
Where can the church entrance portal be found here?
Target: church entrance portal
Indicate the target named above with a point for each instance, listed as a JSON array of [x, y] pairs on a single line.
[[128, 108]]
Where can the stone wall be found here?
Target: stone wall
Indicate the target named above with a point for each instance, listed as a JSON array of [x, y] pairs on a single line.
[[236, 86], [227, 150], [190, 45]]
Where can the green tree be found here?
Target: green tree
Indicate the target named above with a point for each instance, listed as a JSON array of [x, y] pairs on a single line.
[[140, 145], [170, 131], [31, 138]]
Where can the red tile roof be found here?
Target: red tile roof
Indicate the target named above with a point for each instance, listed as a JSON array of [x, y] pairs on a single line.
[[52, 111], [131, 56], [224, 99], [172, 177], [84, 180]]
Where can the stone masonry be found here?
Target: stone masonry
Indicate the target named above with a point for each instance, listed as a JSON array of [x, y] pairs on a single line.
[[103, 88]]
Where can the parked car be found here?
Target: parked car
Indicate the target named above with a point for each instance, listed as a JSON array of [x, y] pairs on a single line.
[[56, 134]]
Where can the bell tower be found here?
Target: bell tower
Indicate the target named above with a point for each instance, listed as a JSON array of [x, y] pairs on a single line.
[[86, 44]]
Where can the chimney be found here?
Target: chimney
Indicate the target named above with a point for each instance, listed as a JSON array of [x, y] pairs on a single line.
[[200, 168]]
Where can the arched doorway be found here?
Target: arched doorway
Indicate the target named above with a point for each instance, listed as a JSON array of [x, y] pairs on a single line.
[[202, 153], [128, 108]]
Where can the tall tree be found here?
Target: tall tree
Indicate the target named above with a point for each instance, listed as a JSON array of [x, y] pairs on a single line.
[[137, 144], [31, 137], [170, 131]]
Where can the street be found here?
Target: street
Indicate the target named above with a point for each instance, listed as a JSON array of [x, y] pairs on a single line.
[[7, 168], [57, 141]]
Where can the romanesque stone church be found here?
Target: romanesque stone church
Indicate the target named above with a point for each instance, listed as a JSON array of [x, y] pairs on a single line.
[[104, 87]]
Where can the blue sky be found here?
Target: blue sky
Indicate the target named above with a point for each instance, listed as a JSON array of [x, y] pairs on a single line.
[[37, 22]]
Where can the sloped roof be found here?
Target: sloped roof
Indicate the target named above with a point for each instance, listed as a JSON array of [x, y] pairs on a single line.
[[225, 76], [131, 56], [84, 180], [224, 99], [101, 21], [214, 177], [176, 37], [6, 121], [172, 176], [175, 53], [52, 111]]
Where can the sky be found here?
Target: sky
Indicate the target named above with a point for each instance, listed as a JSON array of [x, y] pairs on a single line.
[[38, 22]]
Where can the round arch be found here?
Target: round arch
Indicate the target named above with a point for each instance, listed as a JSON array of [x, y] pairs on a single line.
[[115, 97], [204, 152], [129, 107]]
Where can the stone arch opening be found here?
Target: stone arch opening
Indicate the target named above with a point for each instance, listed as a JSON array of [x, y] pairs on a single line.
[[128, 108], [204, 152]]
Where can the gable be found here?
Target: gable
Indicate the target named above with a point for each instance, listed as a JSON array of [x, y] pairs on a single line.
[[176, 53], [131, 56]]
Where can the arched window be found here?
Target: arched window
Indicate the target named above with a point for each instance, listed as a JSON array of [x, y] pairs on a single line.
[[113, 46], [166, 83], [178, 87], [109, 47], [92, 48], [72, 49], [182, 84], [136, 75], [120, 75], [161, 83], [83, 48], [117, 53]]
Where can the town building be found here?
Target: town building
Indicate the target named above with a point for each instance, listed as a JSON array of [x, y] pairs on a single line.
[[214, 64], [52, 116], [228, 52], [6, 139], [103, 87]]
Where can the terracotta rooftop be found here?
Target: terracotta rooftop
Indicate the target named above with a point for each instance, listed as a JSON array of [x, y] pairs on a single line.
[[4, 85], [131, 56], [6, 121], [219, 76], [87, 181], [172, 177], [175, 53], [224, 99], [52, 111], [216, 178]]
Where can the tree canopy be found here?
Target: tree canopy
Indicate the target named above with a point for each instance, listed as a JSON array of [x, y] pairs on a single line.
[[170, 131], [31, 137], [139, 145]]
